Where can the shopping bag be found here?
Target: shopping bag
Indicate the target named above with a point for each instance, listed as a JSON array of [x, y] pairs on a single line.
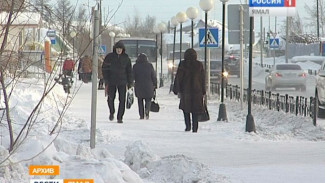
[[130, 98], [202, 117], [154, 107]]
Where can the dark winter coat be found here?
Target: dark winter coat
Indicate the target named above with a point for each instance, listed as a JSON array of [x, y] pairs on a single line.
[[117, 69], [144, 77], [190, 83]]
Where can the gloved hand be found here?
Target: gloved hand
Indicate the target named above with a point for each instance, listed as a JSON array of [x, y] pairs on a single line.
[[129, 85]]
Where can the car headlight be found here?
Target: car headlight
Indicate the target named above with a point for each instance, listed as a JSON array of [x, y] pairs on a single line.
[[225, 74], [170, 65]]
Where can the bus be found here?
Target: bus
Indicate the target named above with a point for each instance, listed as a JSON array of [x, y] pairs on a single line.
[[134, 46]]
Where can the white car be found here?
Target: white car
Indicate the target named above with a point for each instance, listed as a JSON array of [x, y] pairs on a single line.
[[286, 75], [320, 92]]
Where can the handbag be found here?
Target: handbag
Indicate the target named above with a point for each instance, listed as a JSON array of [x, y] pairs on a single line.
[[202, 117], [154, 106], [130, 98]]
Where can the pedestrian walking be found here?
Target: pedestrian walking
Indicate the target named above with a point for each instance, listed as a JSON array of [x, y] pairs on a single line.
[[86, 66], [68, 67], [117, 72], [145, 82], [100, 74], [190, 85]]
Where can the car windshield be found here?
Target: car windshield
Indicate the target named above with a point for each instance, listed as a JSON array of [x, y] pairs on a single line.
[[215, 65], [176, 56], [288, 67]]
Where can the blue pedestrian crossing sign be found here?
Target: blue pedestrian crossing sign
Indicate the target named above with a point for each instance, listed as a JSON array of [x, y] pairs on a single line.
[[102, 50], [212, 37], [274, 43]]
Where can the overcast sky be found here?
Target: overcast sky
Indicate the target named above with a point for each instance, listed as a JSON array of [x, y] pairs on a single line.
[[163, 10]]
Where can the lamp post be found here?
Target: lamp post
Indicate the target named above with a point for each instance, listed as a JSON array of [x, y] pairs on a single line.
[[250, 125], [162, 29], [112, 35], [73, 35], [222, 115], [156, 31], [206, 5], [192, 13], [181, 18], [174, 23]]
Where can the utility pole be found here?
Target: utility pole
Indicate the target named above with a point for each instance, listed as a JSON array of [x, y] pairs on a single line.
[[287, 38], [262, 41], [94, 79], [241, 55]]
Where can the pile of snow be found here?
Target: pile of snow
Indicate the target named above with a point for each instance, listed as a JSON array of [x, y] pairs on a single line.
[[67, 147], [168, 169]]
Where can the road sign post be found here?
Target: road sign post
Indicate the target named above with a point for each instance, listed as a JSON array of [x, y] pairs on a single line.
[[212, 40]]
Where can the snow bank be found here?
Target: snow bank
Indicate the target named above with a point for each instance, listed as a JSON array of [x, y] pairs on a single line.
[[169, 169]]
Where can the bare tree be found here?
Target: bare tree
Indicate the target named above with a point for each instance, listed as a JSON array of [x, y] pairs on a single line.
[[44, 7], [64, 13], [140, 28], [13, 69], [311, 9]]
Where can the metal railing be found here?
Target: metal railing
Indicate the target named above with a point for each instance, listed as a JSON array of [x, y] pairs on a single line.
[[297, 105]]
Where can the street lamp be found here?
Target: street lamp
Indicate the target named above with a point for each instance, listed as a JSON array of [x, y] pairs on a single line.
[[206, 5], [174, 24], [156, 31], [112, 35], [73, 35], [162, 29], [222, 115], [250, 125], [192, 13], [181, 18]]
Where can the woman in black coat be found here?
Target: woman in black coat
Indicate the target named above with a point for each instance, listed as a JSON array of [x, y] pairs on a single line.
[[190, 84], [145, 84]]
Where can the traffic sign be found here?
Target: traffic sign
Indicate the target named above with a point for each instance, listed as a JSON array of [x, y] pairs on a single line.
[[102, 50], [274, 43], [53, 40], [212, 37], [51, 33], [234, 25]]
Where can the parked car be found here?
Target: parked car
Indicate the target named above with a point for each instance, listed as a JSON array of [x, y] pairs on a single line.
[[176, 61], [232, 65], [320, 92], [215, 72], [286, 75]]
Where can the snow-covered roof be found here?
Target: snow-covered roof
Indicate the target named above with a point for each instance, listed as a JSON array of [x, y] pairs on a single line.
[[30, 19]]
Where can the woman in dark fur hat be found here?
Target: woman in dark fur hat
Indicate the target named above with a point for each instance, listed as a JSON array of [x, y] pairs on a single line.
[[190, 85]]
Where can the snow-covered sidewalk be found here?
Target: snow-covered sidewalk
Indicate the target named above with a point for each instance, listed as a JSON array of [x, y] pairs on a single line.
[[285, 148]]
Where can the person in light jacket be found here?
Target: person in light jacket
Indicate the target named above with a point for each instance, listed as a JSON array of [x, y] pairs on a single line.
[[86, 66], [190, 85], [145, 84]]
